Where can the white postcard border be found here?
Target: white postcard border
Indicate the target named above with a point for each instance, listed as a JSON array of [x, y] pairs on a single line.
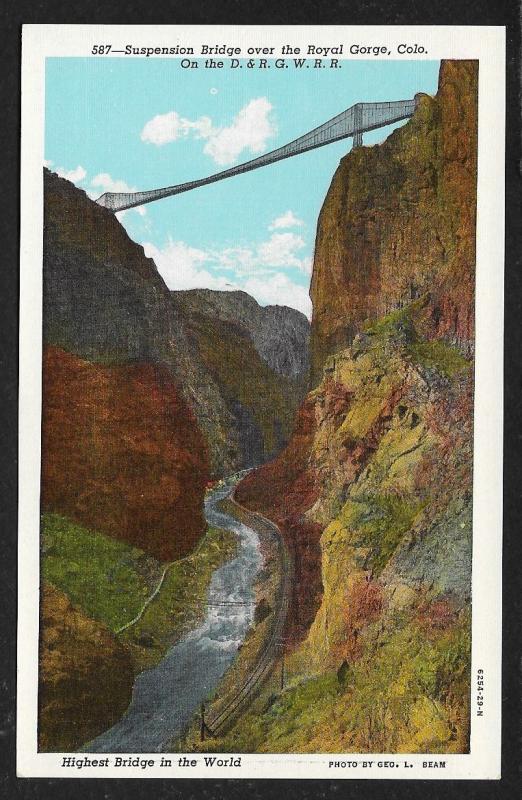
[[487, 44]]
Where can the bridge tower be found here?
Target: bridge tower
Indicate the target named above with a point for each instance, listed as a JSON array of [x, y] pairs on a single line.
[[358, 126]]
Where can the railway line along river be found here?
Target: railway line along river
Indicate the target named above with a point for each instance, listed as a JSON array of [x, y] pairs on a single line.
[[165, 697]]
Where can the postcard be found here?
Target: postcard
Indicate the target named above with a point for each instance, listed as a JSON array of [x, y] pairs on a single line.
[[261, 323]]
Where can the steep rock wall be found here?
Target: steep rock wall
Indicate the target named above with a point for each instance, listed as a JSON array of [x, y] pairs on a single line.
[[382, 469], [122, 453], [86, 676], [398, 221], [106, 302]]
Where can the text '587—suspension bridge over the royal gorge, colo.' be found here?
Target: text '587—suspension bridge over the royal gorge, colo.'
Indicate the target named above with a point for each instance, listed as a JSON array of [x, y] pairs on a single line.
[[356, 120]]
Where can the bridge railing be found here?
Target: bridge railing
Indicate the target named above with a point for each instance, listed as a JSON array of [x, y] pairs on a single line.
[[376, 115], [354, 121]]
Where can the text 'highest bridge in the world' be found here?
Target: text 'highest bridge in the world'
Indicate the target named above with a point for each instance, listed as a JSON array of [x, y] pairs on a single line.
[[355, 121]]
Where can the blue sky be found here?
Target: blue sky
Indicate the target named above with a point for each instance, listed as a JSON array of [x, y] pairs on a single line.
[[114, 124]]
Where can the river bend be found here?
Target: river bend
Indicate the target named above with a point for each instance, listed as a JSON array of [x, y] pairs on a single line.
[[165, 697]]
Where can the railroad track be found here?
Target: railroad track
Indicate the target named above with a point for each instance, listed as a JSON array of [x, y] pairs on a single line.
[[267, 659]]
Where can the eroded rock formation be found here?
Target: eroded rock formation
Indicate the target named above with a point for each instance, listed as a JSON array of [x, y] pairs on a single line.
[[373, 493]]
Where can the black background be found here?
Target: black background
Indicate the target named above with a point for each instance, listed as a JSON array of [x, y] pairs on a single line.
[[285, 12]]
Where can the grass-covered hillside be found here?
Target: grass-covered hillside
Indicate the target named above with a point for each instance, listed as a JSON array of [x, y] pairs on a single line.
[[107, 603]]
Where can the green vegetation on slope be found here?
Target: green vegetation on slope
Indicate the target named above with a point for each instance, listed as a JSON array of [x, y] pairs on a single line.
[[180, 604], [110, 581], [440, 356], [107, 578], [396, 322], [379, 522], [402, 324], [386, 700]]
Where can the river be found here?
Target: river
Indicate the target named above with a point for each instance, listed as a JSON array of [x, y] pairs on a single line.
[[165, 697]]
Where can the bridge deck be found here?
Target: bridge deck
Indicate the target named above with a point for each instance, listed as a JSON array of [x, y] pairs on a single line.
[[355, 121]]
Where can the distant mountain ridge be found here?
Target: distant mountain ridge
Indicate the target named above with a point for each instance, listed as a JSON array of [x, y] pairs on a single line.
[[280, 334]]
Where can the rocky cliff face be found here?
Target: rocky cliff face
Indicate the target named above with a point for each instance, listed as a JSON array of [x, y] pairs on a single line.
[[396, 224], [103, 299], [373, 493], [106, 302], [86, 676], [110, 347], [280, 334], [258, 359]]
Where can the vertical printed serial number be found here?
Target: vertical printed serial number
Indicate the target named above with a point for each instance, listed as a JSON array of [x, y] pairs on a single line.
[[480, 693]]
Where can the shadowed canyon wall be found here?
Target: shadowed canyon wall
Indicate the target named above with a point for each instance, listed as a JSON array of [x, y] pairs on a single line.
[[147, 395], [106, 302], [258, 357]]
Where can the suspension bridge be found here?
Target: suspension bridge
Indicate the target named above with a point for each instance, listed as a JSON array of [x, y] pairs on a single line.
[[354, 122]]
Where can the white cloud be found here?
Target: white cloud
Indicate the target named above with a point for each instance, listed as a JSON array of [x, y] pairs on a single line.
[[181, 266], [306, 265], [47, 163], [104, 182], [279, 290], [165, 128], [239, 259], [186, 267], [286, 220], [281, 251], [250, 130], [74, 175]]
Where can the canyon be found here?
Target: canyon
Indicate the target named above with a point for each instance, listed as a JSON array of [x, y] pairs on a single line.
[[373, 493], [359, 429], [148, 397]]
